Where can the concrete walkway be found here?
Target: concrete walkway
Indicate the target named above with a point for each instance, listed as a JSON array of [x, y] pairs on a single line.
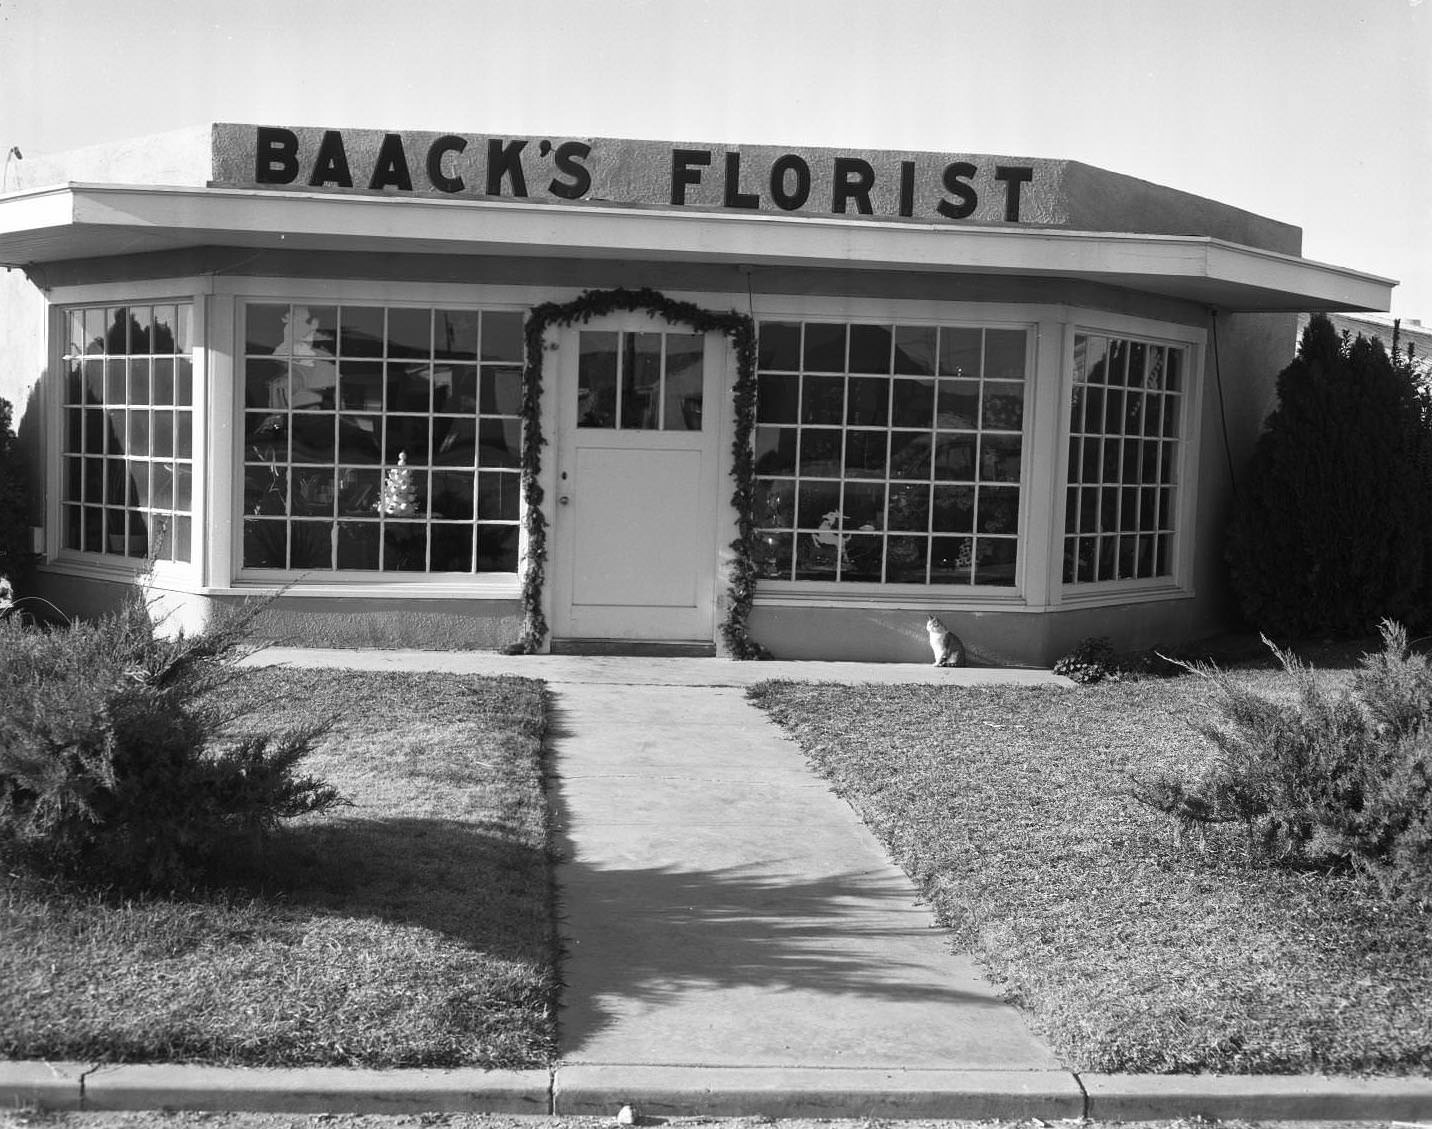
[[732, 927], [736, 942], [720, 907]]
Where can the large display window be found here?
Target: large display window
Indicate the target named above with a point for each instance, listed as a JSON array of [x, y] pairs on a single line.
[[381, 438], [890, 453]]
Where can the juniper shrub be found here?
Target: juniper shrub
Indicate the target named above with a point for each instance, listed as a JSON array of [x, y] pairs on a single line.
[[114, 766], [1330, 777]]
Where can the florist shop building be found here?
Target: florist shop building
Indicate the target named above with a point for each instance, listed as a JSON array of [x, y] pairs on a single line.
[[461, 390]]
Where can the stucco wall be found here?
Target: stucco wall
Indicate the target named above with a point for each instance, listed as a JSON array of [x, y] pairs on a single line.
[[446, 625], [440, 625], [992, 638], [1240, 389], [1098, 200]]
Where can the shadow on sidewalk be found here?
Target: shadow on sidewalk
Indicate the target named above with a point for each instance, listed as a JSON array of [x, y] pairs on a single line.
[[640, 937]]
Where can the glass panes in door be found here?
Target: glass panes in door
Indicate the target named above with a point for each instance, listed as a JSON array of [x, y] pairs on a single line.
[[640, 381]]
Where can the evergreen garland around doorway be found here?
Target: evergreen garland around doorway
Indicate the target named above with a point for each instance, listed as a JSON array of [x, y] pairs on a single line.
[[740, 329]]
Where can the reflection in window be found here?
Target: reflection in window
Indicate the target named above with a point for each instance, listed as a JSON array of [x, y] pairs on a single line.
[[640, 381], [889, 453], [381, 438], [128, 449], [1124, 426]]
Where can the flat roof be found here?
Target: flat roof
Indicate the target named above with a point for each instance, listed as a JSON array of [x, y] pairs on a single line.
[[83, 221]]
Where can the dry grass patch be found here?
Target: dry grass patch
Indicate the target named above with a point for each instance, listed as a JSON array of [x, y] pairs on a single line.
[[411, 929], [1008, 807]]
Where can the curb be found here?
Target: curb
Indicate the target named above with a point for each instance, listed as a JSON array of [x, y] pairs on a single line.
[[42, 1085], [676, 1091], [75, 1086], [1248, 1097]]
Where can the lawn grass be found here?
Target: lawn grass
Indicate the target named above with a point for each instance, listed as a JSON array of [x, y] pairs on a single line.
[[1129, 953], [411, 929]]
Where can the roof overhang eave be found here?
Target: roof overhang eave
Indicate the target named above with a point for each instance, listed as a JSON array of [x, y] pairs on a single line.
[[99, 221]]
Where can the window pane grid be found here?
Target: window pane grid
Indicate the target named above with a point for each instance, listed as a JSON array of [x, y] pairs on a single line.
[[381, 439], [1123, 453], [903, 468], [640, 381], [127, 453]]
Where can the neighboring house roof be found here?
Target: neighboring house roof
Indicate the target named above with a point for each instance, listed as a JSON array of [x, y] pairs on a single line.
[[1414, 338]]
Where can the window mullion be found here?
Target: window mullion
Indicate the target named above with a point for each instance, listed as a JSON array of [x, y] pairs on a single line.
[[661, 384]]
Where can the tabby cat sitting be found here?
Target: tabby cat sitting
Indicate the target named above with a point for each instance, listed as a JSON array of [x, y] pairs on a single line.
[[946, 645]]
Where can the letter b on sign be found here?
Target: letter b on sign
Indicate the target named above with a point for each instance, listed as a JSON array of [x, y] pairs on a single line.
[[276, 156]]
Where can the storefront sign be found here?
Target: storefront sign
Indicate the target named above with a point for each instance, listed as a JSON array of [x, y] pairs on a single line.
[[812, 182]]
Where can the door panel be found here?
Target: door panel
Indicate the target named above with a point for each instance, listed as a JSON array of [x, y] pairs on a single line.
[[634, 528], [637, 528]]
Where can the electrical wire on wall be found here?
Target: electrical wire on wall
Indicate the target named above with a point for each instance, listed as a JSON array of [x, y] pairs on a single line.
[[1222, 408]]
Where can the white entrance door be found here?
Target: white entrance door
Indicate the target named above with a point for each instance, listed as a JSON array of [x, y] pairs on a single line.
[[635, 514]]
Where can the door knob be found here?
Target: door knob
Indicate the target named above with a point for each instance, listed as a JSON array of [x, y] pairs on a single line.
[[563, 500]]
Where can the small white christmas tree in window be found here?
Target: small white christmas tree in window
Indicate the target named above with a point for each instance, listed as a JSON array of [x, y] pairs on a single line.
[[399, 497]]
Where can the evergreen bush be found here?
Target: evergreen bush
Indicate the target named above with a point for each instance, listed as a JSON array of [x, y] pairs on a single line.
[[15, 555], [1336, 779], [1332, 531], [114, 766]]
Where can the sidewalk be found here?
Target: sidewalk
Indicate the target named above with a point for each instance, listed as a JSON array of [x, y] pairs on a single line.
[[736, 943], [722, 908], [562, 670]]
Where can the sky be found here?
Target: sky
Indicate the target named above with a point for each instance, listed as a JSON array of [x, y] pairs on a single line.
[[1314, 112]]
